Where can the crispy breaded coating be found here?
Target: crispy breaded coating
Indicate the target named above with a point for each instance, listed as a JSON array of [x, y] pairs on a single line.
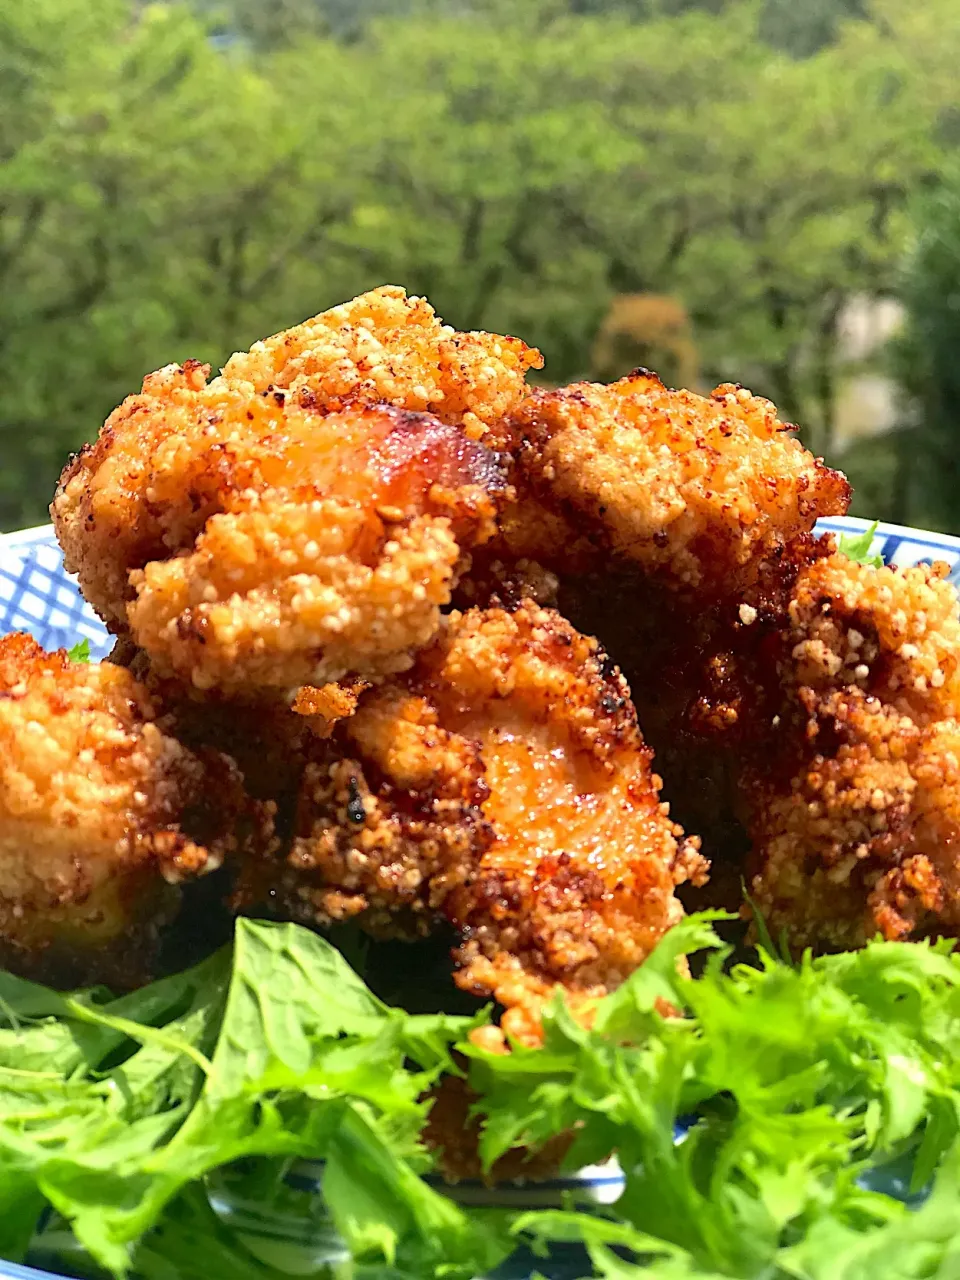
[[386, 347], [893, 633], [577, 885], [298, 517], [389, 808], [854, 798], [327, 545], [324, 707], [502, 785], [101, 815], [697, 491]]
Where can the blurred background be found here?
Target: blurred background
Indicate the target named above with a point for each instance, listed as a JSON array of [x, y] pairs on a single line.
[[762, 191]]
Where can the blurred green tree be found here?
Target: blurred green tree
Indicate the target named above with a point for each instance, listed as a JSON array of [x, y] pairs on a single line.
[[530, 174], [926, 360], [165, 194], [799, 29], [271, 24], [88, 190], [155, 198], [804, 28]]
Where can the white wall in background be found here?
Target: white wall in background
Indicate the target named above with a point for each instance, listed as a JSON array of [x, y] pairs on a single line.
[[867, 400]]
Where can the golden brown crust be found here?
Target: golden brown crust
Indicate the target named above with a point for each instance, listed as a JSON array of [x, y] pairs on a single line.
[[386, 809], [328, 543], [99, 811], [294, 519], [577, 886], [893, 633], [282, 542], [854, 802], [323, 707], [697, 491], [501, 785], [384, 347]]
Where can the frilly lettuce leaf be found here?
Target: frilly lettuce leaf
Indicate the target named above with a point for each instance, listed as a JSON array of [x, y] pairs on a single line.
[[857, 546]]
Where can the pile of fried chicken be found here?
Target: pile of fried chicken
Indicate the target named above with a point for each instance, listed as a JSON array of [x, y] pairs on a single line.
[[400, 637]]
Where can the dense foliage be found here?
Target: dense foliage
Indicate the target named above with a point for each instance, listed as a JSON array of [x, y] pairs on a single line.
[[927, 359], [179, 180]]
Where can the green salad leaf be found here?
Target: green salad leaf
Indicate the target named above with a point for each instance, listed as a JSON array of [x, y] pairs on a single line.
[[800, 1091], [272, 1048], [856, 546], [80, 652], [805, 1082], [189, 1243]]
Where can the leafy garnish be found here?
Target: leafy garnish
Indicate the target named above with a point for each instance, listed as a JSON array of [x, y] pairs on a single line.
[[857, 547], [80, 652], [290, 1055], [803, 1080], [797, 1087], [765, 940]]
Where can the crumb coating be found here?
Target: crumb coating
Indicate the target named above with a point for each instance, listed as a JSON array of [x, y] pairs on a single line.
[[855, 804], [386, 347], [697, 491], [101, 814], [332, 547]]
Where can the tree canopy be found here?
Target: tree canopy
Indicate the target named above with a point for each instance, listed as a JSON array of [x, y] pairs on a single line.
[[176, 181], [929, 447]]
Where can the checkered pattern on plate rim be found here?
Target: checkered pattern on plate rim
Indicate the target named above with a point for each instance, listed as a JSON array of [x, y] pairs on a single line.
[[38, 596]]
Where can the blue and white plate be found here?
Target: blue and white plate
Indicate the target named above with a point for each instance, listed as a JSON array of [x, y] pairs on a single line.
[[38, 595], [295, 1235]]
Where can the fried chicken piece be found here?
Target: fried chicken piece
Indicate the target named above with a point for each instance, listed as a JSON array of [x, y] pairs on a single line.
[[853, 795], [697, 492], [102, 816], [503, 786], [667, 518], [577, 885], [293, 520]]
